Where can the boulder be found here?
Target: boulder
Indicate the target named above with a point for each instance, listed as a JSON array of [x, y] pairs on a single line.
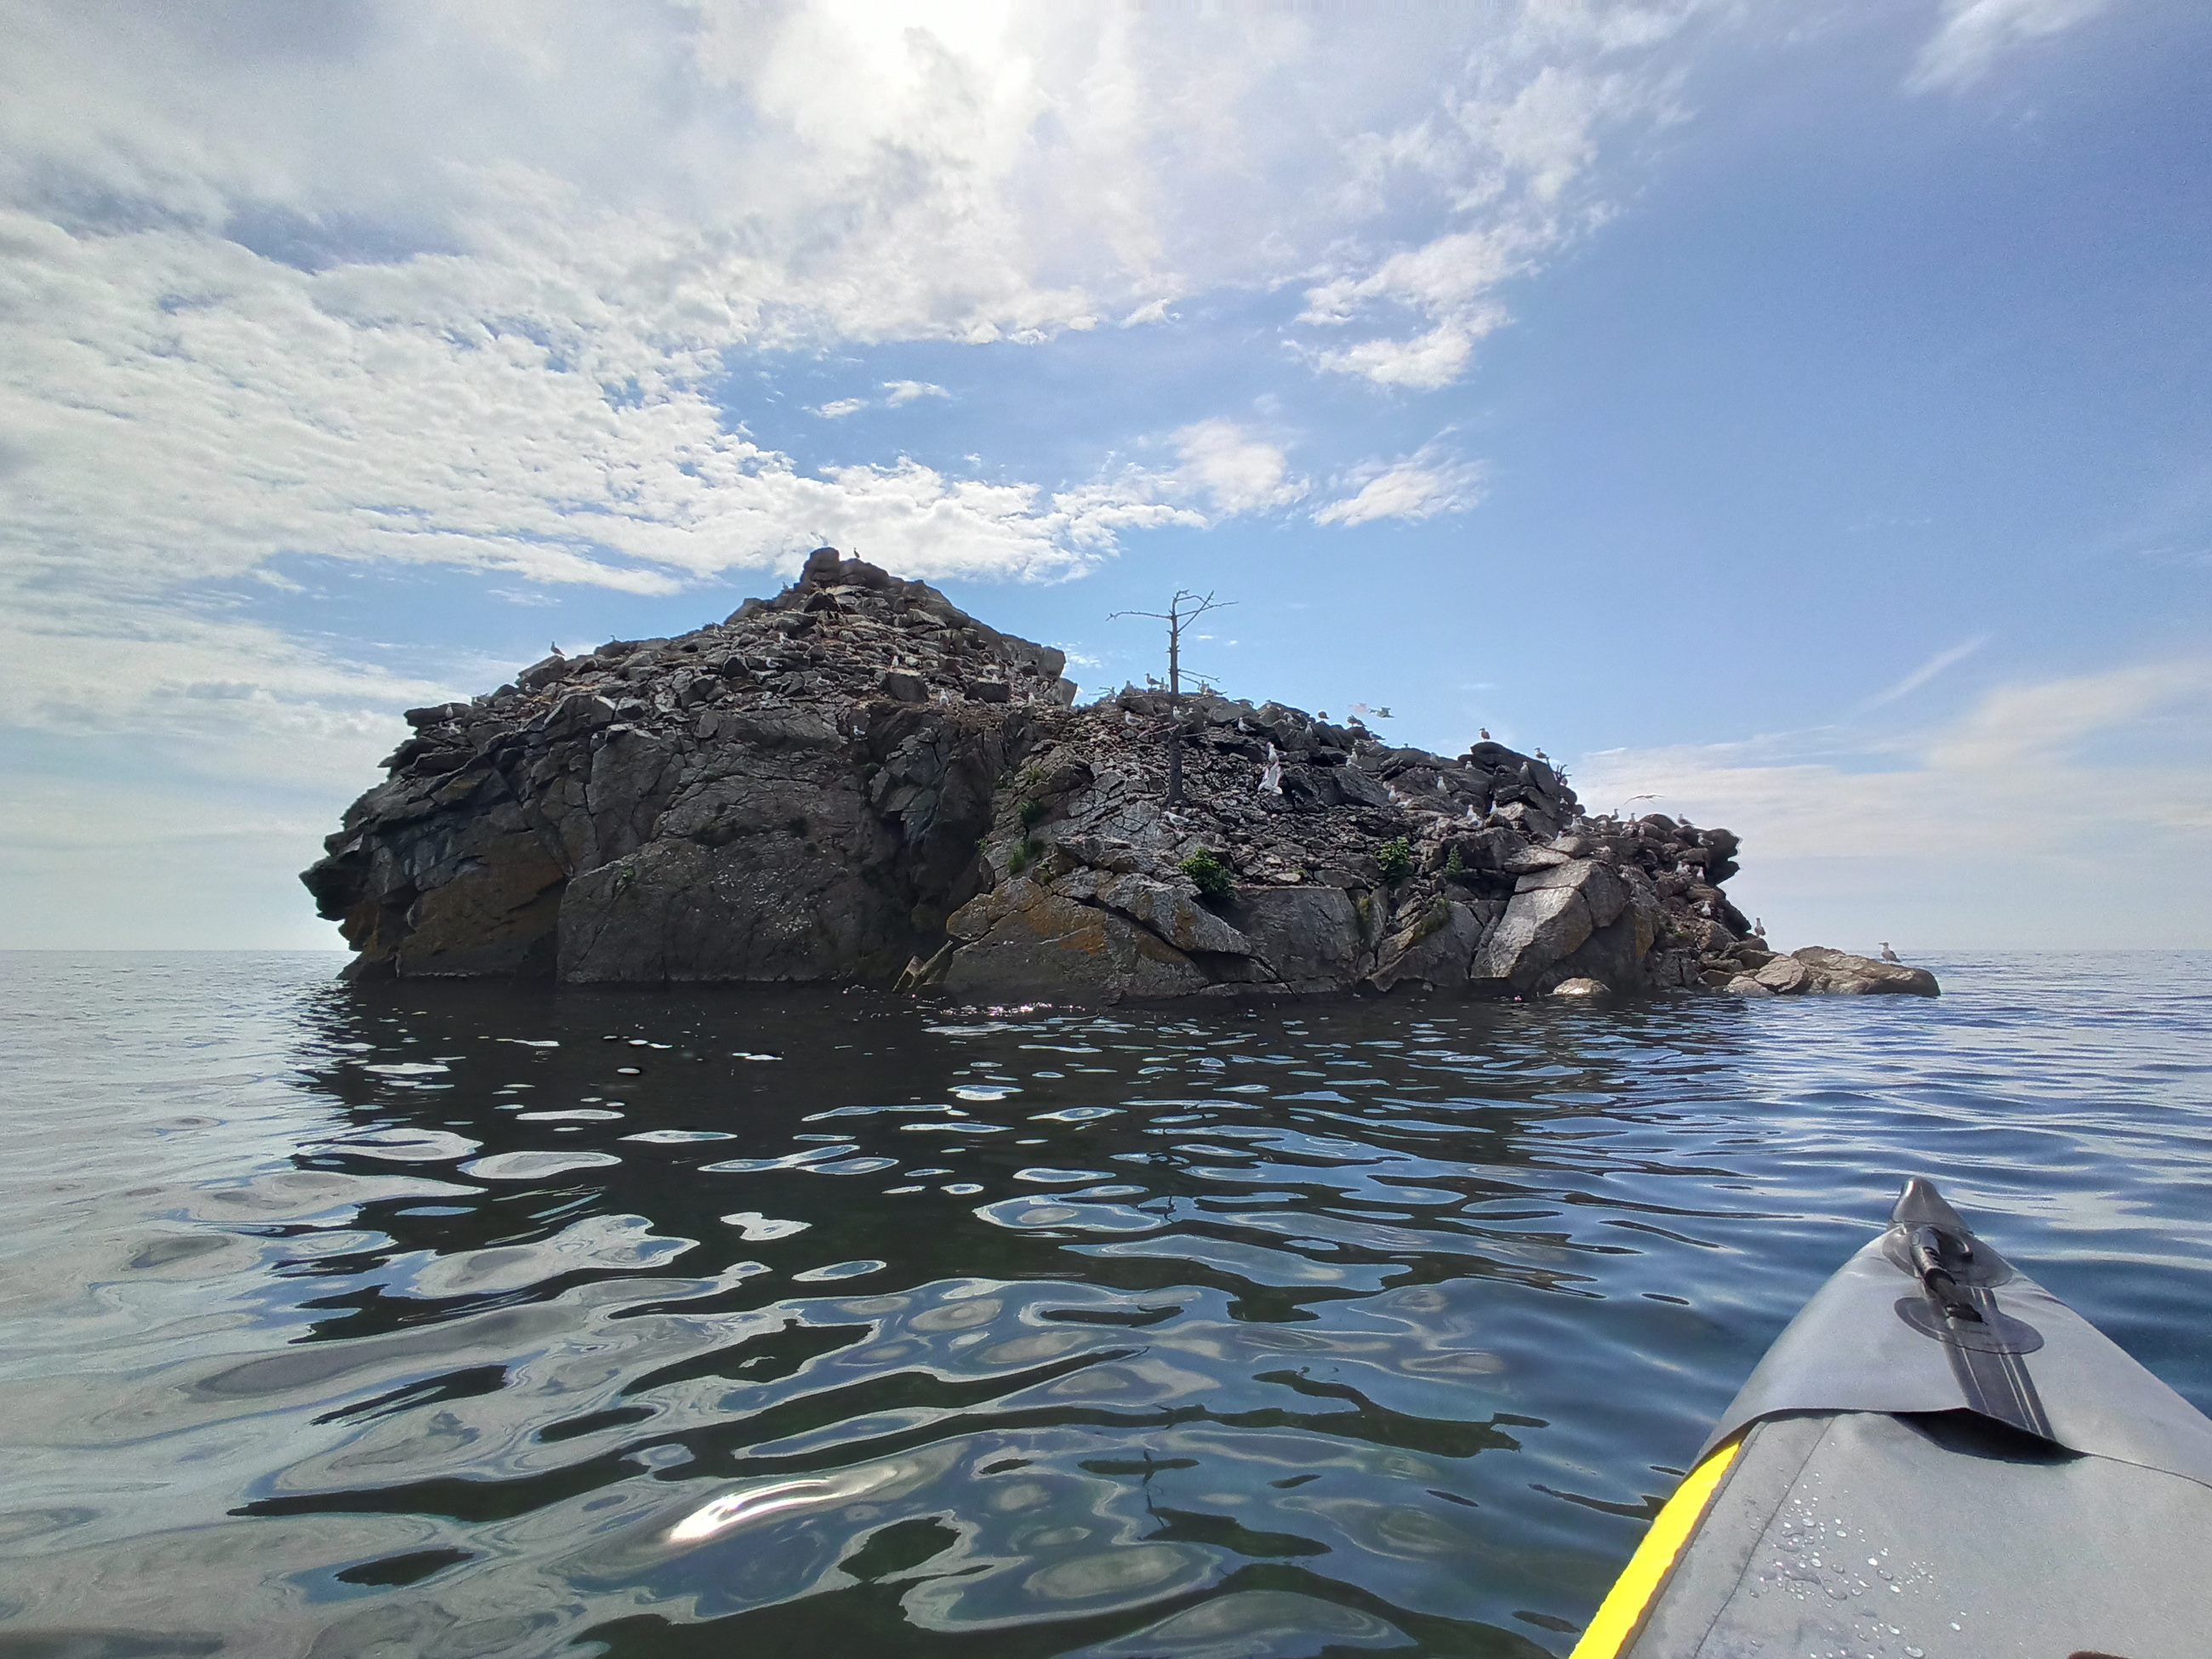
[[1600, 885], [1554, 911], [1307, 936], [1434, 950], [1784, 976], [1615, 954], [1022, 939], [1817, 970], [1355, 788], [1838, 973], [1582, 989], [1308, 789], [1540, 926], [1174, 912], [539, 675]]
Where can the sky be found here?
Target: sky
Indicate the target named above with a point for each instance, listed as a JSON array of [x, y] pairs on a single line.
[[1787, 415]]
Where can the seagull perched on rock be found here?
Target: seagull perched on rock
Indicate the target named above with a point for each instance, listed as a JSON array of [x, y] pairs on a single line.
[[1888, 955]]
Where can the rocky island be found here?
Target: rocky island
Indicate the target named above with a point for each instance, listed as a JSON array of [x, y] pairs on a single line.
[[857, 781]]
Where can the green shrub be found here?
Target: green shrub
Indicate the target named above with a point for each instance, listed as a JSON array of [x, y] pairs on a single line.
[[1212, 878], [1455, 866], [1396, 858], [1018, 857], [1032, 812]]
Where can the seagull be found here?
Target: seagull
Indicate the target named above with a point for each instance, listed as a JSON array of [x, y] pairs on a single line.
[[1888, 955], [1485, 733]]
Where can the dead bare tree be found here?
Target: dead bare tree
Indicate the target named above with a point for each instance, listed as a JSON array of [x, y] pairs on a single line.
[[1183, 609]]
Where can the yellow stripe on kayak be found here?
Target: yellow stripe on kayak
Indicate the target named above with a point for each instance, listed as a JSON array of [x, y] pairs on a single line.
[[1625, 1604]]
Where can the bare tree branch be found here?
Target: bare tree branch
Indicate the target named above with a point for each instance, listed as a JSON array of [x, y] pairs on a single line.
[[1183, 609]]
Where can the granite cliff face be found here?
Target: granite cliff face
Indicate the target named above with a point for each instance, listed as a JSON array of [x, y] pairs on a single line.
[[856, 781]]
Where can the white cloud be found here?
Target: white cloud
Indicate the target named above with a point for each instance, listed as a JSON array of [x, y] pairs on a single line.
[[1974, 34], [1511, 154], [2073, 812], [905, 392], [841, 408], [1926, 671], [1422, 363], [1239, 473], [458, 286], [1423, 485]]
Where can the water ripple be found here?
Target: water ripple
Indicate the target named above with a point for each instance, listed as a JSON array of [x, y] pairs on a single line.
[[470, 1319]]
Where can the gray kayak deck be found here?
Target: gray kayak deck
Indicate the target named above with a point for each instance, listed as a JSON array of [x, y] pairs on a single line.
[[1940, 1460], [1938, 1537]]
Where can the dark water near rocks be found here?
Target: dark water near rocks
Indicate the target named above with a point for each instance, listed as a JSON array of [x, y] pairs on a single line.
[[427, 1320]]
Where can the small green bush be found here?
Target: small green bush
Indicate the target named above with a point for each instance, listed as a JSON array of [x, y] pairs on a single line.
[[1018, 857], [1212, 878], [1455, 866], [1396, 858], [1032, 812]]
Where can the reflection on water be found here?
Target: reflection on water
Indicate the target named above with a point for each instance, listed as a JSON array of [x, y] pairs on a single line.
[[458, 1319]]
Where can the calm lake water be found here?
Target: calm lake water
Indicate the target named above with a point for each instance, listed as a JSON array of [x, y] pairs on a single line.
[[453, 1319]]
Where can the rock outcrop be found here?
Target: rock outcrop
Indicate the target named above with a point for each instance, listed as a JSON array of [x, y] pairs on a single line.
[[1819, 971], [857, 781]]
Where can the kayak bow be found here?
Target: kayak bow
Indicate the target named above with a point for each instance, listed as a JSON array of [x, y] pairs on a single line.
[[1937, 1458]]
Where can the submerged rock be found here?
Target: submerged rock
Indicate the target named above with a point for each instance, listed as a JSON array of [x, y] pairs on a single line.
[[855, 781], [1581, 988]]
